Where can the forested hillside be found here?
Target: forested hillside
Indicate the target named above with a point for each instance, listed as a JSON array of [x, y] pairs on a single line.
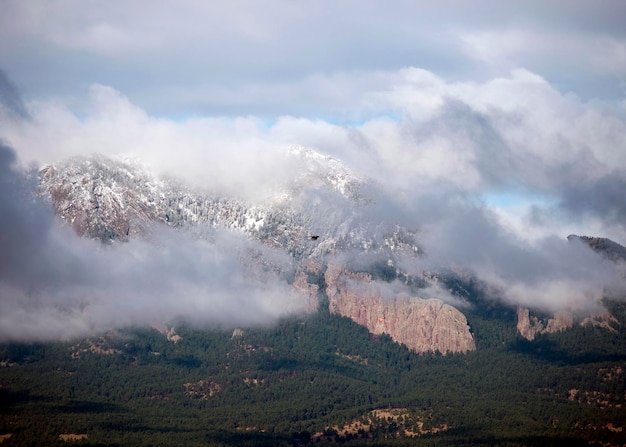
[[317, 380]]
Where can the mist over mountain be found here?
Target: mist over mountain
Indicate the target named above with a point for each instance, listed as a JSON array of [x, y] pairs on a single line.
[[56, 284], [177, 252], [311, 223], [408, 173], [10, 97]]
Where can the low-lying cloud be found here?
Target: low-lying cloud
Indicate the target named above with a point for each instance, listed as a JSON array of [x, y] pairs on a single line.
[[551, 273], [491, 176], [55, 285]]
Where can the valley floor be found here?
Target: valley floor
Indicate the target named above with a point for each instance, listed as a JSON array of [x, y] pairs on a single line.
[[316, 381]]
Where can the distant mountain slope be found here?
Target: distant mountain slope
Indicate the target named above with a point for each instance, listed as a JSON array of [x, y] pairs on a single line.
[[318, 216], [315, 218], [110, 199], [612, 250], [530, 325]]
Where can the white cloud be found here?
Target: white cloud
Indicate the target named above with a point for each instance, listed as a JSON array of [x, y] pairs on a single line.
[[55, 285], [442, 104], [509, 48], [285, 58], [514, 133], [437, 147]]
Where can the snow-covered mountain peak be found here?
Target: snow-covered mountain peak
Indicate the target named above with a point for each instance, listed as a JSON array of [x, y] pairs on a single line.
[[328, 170], [117, 199]]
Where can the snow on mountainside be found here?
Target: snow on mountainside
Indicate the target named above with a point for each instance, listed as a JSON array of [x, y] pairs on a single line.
[[115, 199], [329, 171], [318, 215], [108, 199], [315, 217]]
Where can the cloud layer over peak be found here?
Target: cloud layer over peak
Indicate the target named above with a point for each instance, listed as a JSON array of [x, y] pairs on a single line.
[[493, 129], [246, 58], [56, 285]]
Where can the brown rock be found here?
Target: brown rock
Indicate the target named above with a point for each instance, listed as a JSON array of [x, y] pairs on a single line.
[[301, 285], [529, 326], [423, 325], [525, 326]]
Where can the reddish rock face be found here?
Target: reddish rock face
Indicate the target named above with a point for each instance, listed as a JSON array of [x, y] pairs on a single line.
[[529, 325], [303, 286], [423, 325]]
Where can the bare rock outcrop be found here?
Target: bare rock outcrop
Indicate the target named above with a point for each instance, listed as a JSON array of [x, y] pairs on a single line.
[[423, 325], [529, 326], [303, 285]]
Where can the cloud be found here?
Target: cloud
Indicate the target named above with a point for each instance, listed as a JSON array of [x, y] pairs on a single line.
[[226, 155], [10, 98], [602, 198], [550, 52], [188, 57], [449, 109], [55, 285], [508, 132], [549, 272], [434, 150]]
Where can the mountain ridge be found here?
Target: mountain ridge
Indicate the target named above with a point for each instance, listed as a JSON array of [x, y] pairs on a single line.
[[109, 199]]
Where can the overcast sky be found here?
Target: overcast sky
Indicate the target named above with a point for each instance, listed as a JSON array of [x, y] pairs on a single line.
[[501, 121], [306, 59]]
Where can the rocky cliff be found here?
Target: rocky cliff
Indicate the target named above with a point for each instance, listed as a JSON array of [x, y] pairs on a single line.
[[423, 325], [529, 325]]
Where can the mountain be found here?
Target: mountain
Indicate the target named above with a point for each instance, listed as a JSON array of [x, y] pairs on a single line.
[[606, 247], [531, 323], [378, 359], [316, 217], [108, 199], [111, 199]]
